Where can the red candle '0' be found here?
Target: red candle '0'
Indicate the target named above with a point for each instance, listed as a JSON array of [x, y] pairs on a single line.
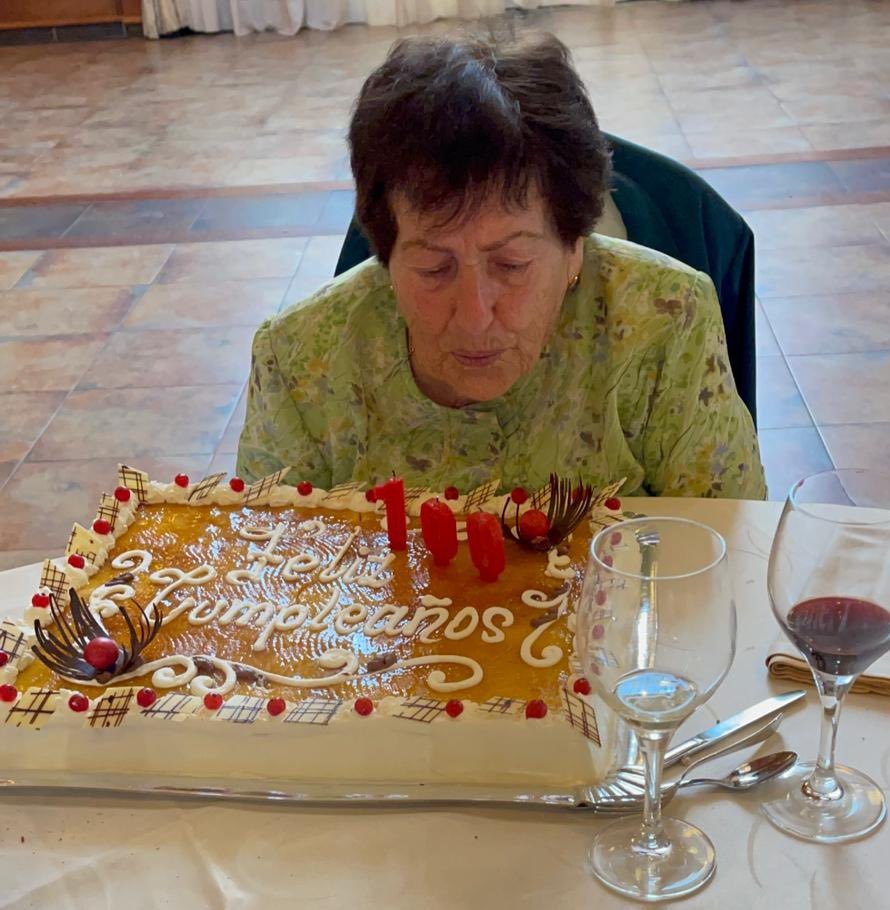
[[486, 545], [393, 494], [439, 529]]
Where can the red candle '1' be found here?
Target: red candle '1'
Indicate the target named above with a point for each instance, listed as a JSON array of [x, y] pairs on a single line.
[[439, 529], [486, 545], [393, 494]]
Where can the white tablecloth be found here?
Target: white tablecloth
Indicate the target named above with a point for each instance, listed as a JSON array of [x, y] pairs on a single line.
[[113, 853]]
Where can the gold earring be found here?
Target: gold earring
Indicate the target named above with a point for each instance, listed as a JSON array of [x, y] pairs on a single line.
[[574, 282]]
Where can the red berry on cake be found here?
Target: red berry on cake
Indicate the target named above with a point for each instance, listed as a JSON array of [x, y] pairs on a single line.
[[581, 686], [452, 493], [613, 503], [364, 706], [40, 600], [454, 708], [577, 493], [101, 653], [304, 488], [533, 524], [236, 484], [276, 706], [181, 480], [536, 709], [101, 526], [213, 701], [370, 495], [78, 703], [8, 693], [145, 698], [122, 494], [519, 495], [76, 560], [4, 658]]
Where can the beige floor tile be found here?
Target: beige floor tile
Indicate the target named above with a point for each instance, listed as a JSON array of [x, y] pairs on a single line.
[[46, 364], [117, 266], [829, 225], [733, 143], [233, 261], [823, 270], [863, 445], [790, 454], [138, 422], [23, 417], [830, 324], [13, 266], [62, 311], [779, 403], [169, 306], [861, 134], [844, 388]]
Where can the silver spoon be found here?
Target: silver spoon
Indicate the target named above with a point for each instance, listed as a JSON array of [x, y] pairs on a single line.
[[750, 773], [743, 777]]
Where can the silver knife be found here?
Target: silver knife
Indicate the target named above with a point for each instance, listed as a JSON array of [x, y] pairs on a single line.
[[764, 710]]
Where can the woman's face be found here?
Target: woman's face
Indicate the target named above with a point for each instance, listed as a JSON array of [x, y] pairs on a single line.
[[480, 297]]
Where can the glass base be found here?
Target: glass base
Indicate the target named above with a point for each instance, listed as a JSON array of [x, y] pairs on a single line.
[[682, 868], [856, 813]]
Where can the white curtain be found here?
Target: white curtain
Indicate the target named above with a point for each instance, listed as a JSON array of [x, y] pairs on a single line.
[[288, 16]]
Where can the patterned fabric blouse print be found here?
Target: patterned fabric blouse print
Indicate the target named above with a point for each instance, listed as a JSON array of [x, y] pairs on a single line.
[[634, 382]]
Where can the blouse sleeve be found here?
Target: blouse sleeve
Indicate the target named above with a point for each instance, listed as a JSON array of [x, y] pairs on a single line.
[[700, 438], [275, 434]]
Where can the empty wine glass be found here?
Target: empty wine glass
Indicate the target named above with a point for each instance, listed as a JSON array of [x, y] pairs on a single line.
[[656, 634], [829, 585]]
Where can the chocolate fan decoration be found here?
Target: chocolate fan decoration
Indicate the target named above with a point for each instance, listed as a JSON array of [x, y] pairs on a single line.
[[63, 650], [568, 507]]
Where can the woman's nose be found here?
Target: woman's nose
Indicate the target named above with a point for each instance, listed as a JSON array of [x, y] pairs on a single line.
[[475, 304]]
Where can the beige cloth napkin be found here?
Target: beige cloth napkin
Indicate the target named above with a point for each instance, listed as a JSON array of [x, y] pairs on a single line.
[[785, 662]]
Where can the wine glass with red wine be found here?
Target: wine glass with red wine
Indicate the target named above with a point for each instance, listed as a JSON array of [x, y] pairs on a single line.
[[829, 585]]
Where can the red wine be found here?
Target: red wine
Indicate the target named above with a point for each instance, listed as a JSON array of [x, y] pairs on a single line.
[[840, 635]]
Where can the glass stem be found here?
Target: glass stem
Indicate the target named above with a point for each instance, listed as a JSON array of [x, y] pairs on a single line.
[[651, 838], [822, 783]]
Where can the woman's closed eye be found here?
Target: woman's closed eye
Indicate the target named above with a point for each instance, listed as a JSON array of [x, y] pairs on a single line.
[[512, 267]]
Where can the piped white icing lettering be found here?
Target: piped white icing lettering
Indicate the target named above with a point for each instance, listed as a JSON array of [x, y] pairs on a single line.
[[429, 600], [492, 634], [559, 566], [462, 625]]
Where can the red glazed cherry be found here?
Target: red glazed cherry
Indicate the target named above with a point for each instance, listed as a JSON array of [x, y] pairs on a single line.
[[577, 493], [4, 658], [275, 706], [533, 524], [452, 493], [454, 708], [613, 503], [181, 480], [536, 709], [213, 701], [40, 600], [76, 560], [304, 488], [145, 698], [519, 495], [237, 485], [78, 703], [8, 693], [101, 653], [370, 495], [122, 494], [581, 686], [101, 526], [364, 706]]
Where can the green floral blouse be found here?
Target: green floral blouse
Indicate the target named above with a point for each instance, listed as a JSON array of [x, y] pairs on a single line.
[[634, 383]]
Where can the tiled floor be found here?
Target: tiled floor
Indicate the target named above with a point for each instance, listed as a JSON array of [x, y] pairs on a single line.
[[158, 199]]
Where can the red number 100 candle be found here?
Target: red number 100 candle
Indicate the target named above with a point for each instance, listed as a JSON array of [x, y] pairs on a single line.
[[486, 540], [439, 527]]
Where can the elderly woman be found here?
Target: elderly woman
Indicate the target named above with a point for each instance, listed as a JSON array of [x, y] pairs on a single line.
[[495, 336]]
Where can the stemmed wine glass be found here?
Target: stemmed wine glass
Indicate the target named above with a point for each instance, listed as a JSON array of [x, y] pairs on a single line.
[[829, 585], [656, 634]]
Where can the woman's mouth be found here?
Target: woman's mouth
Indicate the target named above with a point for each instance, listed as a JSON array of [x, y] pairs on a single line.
[[476, 358]]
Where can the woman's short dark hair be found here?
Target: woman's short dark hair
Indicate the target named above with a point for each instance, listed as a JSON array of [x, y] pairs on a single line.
[[448, 122]]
